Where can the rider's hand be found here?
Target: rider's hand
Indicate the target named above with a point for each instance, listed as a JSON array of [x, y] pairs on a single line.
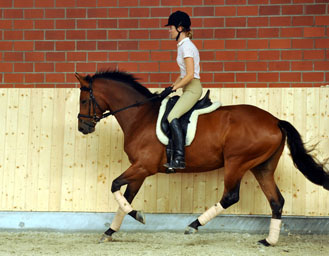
[[166, 92]]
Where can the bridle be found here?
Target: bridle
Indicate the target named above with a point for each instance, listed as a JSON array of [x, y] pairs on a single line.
[[94, 105]]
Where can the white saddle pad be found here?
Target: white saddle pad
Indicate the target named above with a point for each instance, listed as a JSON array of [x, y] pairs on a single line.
[[191, 127]]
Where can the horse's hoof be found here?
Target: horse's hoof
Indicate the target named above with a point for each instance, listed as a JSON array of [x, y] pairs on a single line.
[[264, 242], [140, 216], [105, 238], [190, 231]]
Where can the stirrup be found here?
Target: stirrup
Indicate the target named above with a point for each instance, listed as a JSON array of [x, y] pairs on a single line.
[[176, 164], [170, 170]]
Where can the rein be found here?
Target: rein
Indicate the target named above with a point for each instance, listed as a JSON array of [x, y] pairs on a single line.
[[92, 100]]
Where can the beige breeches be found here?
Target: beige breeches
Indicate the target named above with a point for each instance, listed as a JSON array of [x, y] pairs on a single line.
[[191, 94]]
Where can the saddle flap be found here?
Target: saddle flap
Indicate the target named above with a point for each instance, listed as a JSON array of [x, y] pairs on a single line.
[[184, 120]]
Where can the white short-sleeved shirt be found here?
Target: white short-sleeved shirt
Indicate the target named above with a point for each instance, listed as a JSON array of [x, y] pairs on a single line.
[[185, 49]]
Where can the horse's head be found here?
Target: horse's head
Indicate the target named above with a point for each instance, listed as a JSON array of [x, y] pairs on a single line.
[[91, 109]]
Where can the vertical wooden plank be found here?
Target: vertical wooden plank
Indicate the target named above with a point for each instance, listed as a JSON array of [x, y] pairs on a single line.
[[163, 193], [115, 158], [199, 196], [79, 172], [57, 149], [324, 146], [212, 177], [91, 170], [187, 193], [31, 195], [226, 96], [70, 128], [45, 149], [11, 139], [21, 150], [3, 117], [175, 192], [147, 196], [310, 138], [287, 114], [299, 180], [103, 175]]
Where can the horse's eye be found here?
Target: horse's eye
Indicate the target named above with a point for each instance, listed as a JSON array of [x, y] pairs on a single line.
[[83, 101]]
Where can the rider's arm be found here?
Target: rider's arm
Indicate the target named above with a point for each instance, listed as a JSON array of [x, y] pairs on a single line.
[[189, 64]]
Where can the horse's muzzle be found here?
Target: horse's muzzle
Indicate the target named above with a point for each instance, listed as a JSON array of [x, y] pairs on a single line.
[[86, 127]]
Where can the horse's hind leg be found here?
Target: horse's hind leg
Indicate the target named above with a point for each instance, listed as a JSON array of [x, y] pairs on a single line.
[[265, 177], [273, 195], [232, 180]]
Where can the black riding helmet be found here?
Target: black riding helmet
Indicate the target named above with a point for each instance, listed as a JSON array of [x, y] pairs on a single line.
[[178, 19]]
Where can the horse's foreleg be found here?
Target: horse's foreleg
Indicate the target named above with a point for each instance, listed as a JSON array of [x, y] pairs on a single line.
[[125, 205], [134, 178], [129, 195], [115, 226]]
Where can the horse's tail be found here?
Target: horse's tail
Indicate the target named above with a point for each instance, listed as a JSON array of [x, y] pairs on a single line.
[[302, 159]]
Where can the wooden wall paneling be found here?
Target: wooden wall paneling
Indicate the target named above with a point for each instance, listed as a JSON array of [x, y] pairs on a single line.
[[47, 165]]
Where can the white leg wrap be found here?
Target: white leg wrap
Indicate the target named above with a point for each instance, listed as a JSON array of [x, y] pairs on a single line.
[[211, 213], [117, 221], [274, 234], [122, 201]]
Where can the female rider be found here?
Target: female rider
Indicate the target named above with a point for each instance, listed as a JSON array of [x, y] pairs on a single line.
[[188, 60]]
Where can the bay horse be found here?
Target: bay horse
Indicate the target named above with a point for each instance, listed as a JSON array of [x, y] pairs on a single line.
[[238, 138]]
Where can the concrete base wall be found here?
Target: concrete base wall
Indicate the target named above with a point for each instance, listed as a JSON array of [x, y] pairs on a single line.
[[90, 222]]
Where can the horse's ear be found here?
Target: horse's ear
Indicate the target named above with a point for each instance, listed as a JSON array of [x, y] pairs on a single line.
[[81, 78]]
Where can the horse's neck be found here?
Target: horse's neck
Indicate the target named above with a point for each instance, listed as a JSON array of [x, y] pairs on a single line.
[[121, 96]]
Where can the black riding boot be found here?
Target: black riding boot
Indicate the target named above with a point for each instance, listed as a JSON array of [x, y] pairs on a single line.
[[178, 161], [170, 156]]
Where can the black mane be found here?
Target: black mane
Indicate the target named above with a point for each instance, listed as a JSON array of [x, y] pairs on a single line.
[[121, 77]]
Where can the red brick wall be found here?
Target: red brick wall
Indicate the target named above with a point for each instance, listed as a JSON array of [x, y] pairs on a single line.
[[252, 43]]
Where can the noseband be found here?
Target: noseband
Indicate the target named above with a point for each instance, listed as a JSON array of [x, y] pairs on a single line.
[[94, 105]]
